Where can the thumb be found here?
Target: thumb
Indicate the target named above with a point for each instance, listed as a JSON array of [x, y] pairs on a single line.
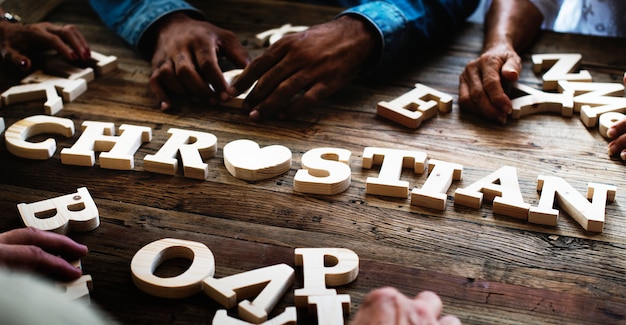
[[511, 69]]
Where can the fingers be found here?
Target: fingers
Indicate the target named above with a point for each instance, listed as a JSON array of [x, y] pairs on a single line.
[[430, 301], [208, 63], [617, 129], [17, 59], [310, 98], [618, 145], [67, 40], [473, 96], [35, 259], [389, 306], [480, 85], [76, 41], [187, 75], [449, 320], [50, 242], [40, 251], [235, 52], [270, 59], [185, 60]]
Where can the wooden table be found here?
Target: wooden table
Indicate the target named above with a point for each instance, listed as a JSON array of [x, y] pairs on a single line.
[[488, 268]]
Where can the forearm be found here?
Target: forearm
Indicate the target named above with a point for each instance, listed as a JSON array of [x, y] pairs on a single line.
[[511, 23], [406, 28]]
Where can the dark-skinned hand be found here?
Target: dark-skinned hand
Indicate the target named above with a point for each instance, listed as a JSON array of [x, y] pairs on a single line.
[[185, 59], [301, 69]]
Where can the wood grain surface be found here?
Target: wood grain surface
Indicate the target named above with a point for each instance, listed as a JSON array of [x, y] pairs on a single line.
[[487, 268]]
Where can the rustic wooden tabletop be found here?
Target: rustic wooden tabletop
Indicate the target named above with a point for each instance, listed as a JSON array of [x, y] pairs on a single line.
[[487, 268]]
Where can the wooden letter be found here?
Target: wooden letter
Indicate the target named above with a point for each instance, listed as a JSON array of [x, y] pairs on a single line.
[[268, 284], [391, 161], [71, 212], [68, 88], [17, 134], [236, 102], [561, 66], [330, 309], [117, 151], [343, 269], [536, 101], [188, 283], [593, 99], [607, 120], [79, 288], [275, 34], [193, 147], [288, 317], [244, 159], [103, 63], [501, 187], [433, 194], [30, 92], [324, 171], [415, 106], [590, 215]]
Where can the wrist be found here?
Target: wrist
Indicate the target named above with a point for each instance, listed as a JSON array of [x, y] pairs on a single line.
[[149, 39], [365, 35]]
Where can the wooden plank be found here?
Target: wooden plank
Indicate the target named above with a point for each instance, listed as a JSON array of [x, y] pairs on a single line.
[[488, 268]]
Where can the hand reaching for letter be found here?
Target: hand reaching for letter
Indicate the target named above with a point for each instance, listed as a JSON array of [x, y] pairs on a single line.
[[480, 83], [185, 59], [18, 41], [389, 307], [314, 63], [43, 252]]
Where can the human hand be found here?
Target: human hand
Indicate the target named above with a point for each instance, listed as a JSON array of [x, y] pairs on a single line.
[[388, 306], [480, 83], [617, 146], [314, 63], [43, 252], [185, 59], [19, 41]]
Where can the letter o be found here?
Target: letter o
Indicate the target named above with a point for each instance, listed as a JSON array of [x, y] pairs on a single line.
[[188, 283]]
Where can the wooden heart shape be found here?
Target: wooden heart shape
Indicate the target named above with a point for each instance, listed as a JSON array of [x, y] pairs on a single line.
[[244, 159]]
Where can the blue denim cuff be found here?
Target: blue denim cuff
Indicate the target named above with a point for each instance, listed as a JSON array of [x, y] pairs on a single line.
[[131, 19], [390, 22]]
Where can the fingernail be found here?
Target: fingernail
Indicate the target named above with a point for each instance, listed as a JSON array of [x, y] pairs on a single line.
[[232, 91], [622, 155], [502, 119], [23, 64], [611, 150], [508, 109], [610, 132], [87, 54], [255, 115], [224, 96], [164, 106]]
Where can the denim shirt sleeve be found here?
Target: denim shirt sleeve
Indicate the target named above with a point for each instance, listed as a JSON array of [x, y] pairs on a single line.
[[408, 26], [130, 19]]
